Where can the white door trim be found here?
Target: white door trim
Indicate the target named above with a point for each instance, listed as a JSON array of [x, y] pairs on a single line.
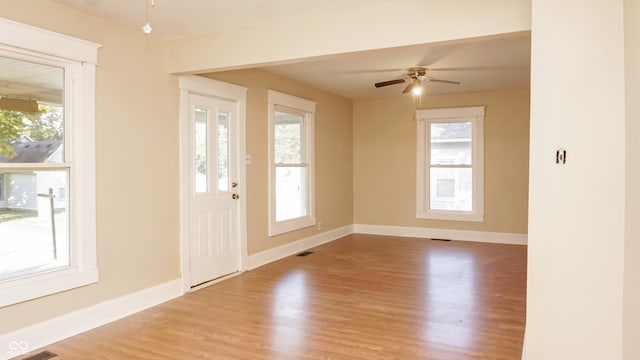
[[191, 84]]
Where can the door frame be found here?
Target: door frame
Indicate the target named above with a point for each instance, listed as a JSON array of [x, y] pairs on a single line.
[[198, 85]]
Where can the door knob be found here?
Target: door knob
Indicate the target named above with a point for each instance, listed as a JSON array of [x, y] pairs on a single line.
[[235, 196]]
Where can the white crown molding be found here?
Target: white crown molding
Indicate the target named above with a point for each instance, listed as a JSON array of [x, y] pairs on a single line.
[[15, 34]]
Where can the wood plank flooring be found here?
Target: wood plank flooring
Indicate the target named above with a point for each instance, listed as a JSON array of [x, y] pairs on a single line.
[[360, 297]]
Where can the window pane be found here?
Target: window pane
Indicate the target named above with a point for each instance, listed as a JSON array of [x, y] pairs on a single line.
[[291, 199], [288, 138], [31, 112], [451, 143], [33, 223], [223, 151], [451, 189], [200, 128]]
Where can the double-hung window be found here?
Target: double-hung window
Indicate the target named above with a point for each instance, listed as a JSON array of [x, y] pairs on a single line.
[[291, 175], [47, 156], [450, 175]]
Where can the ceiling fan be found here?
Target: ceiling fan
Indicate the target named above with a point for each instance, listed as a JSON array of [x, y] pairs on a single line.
[[415, 77]]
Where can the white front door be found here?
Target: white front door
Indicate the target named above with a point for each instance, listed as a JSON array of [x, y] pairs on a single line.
[[213, 202]]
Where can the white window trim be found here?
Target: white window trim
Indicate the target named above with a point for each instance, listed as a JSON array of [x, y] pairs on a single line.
[[425, 117], [2, 181], [79, 58], [295, 103]]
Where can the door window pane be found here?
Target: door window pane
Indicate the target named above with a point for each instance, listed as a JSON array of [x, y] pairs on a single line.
[[451, 189], [223, 152], [201, 143], [288, 138], [33, 223], [291, 200], [451, 143]]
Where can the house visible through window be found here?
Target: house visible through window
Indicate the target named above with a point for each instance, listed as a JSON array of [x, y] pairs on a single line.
[[291, 163], [450, 164], [42, 249], [33, 226]]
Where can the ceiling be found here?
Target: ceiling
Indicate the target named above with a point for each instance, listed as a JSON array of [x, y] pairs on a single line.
[[493, 63], [478, 64], [173, 19]]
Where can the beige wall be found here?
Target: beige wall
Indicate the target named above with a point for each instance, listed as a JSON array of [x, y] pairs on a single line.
[[137, 180], [333, 155], [632, 213], [385, 160], [577, 211]]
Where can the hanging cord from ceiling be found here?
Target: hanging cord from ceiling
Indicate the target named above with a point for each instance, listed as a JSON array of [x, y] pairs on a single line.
[[147, 26]]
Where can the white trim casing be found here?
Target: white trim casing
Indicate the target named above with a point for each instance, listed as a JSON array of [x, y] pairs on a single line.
[[16, 35], [25, 340], [308, 108], [474, 114], [192, 84], [78, 58]]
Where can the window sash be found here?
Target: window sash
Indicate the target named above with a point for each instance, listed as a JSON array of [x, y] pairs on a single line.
[[451, 166], [303, 151], [78, 58], [300, 206], [426, 117], [67, 256], [1, 186], [305, 109]]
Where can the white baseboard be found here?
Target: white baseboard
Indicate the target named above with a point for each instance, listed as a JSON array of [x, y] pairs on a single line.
[[264, 257], [465, 235], [26, 340]]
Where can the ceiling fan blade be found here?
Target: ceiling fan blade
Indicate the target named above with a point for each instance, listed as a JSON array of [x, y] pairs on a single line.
[[445, 81], [409, 88], [390, 82]]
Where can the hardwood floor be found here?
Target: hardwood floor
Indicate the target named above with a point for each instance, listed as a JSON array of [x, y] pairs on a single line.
[[360, 297]]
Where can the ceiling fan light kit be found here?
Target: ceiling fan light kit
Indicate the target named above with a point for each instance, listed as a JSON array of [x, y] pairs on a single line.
[[417, 87], [147, 26], [415, 76]]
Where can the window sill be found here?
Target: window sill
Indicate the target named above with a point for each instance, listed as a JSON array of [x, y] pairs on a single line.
[[35, 286], [291, 225]]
